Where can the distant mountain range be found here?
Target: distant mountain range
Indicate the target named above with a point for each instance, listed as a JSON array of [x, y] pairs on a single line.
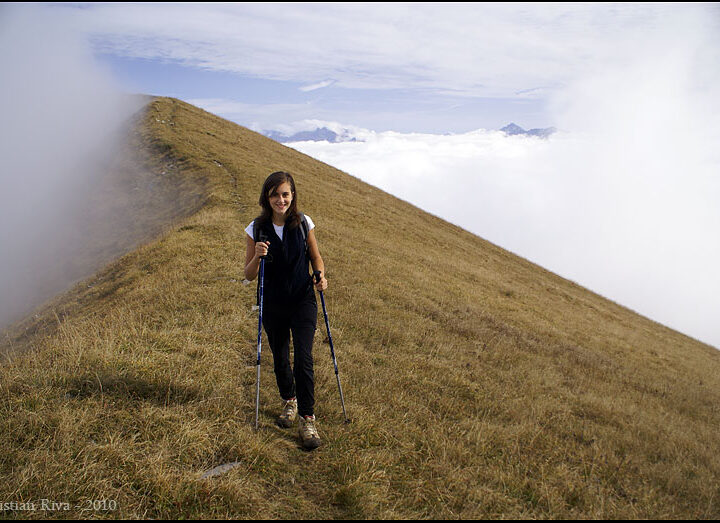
[[323, 134], [513, 129]]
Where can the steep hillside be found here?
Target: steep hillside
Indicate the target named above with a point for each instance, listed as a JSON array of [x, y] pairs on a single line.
[[479, 384]]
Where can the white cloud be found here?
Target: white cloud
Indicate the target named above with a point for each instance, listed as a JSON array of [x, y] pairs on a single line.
[[319, 85], [467, 49]]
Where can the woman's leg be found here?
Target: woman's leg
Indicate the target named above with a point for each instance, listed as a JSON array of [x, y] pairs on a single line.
[[303, 324], [277, 328]]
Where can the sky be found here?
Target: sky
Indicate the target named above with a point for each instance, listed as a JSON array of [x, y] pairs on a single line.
[[622, 199]]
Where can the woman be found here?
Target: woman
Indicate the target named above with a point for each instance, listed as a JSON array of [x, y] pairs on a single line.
[[289, 303]]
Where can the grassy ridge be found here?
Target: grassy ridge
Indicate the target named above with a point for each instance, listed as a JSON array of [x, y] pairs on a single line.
[[480, 384]]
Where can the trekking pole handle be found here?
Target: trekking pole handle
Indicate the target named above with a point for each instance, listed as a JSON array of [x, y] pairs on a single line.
[[263, 238], [316, 276]]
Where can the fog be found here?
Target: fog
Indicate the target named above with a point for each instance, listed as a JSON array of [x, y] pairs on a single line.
[[623, 200], [61, 120]]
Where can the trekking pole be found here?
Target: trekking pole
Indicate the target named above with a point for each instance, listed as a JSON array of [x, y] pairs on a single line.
[[316, 275], [259, 339]]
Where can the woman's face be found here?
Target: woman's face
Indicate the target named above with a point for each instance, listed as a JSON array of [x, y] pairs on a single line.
[[281, 199]]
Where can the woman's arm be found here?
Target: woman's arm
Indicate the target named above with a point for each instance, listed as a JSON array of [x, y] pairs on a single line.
[[252, 257], [316, 260]]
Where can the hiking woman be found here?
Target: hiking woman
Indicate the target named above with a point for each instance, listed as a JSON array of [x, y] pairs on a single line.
[[287, 239]]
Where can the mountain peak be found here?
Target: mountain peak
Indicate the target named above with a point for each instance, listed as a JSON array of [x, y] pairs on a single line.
[[513, 129]]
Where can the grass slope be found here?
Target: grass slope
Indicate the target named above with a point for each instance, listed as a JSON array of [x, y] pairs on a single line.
[[480, 384]]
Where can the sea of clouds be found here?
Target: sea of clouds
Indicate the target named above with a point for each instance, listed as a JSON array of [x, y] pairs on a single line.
[[640, 230], [624, 199]]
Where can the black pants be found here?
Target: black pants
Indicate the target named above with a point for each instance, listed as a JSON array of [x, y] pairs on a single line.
[[301, 320]]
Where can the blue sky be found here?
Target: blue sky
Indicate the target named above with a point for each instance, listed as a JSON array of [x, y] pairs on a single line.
[[406, 67], [623, 199], [404, 110]]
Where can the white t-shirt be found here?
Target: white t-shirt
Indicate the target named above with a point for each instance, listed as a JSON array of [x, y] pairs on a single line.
[[279, 229]]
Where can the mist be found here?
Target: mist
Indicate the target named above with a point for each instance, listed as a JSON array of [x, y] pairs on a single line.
[[61, 122], [623, 199]]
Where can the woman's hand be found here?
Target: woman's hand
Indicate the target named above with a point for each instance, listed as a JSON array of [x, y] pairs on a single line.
[[261, 249], [322, 284]]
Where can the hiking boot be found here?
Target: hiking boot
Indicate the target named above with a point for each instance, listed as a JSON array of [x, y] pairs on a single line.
[[289, 413], [308, 433]]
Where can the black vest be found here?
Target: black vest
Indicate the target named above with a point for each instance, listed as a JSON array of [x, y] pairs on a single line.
[[287, 276]]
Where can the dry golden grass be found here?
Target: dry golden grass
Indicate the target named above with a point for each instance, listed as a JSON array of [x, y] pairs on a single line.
[[480, 385]]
